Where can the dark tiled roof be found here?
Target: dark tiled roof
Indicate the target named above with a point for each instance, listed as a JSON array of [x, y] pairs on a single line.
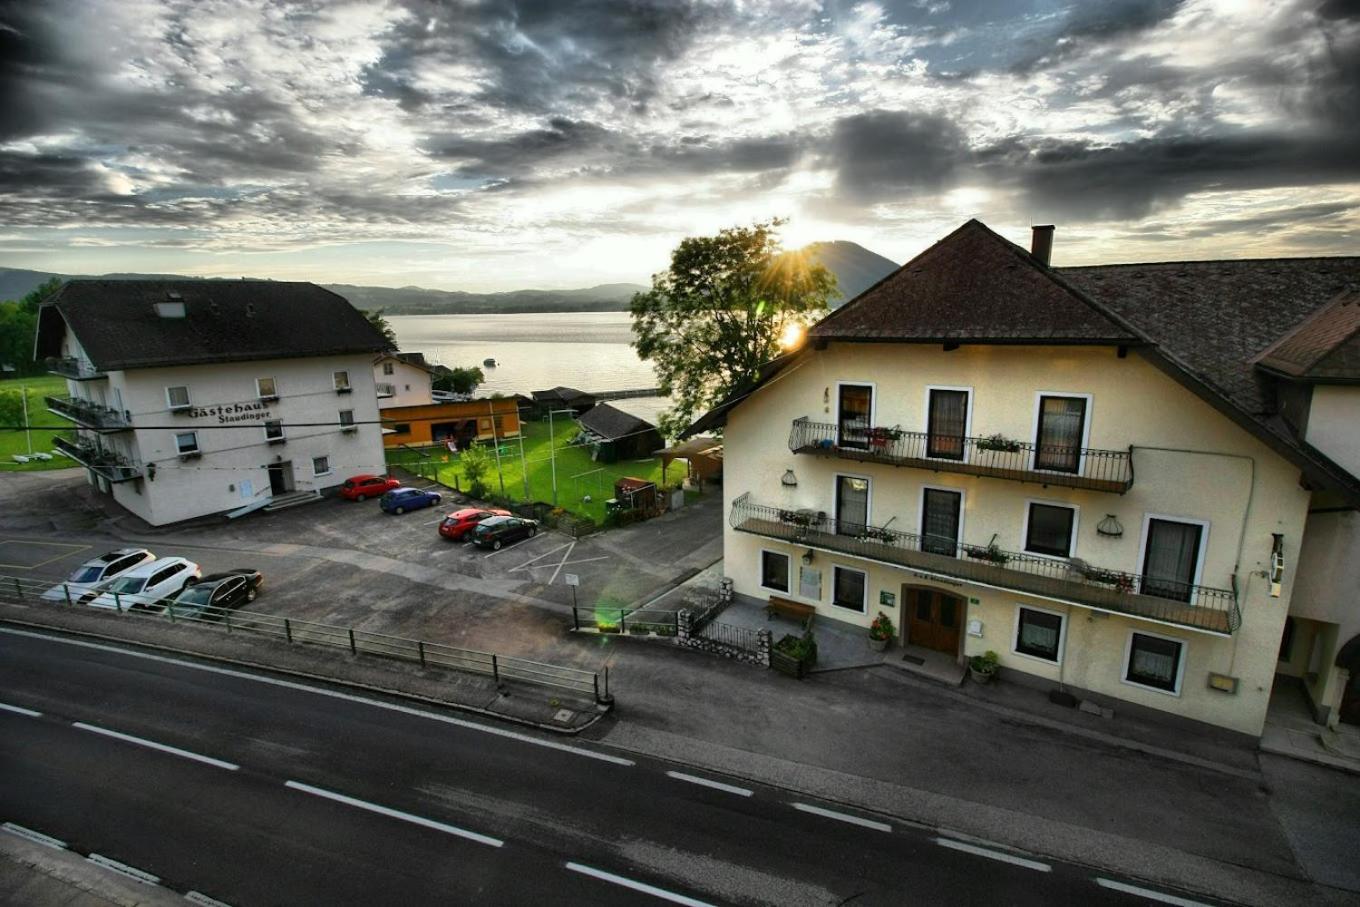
[[568, 395], [972, 286], [610, 423], [1215, 317], [1324, 347], [118, 326]]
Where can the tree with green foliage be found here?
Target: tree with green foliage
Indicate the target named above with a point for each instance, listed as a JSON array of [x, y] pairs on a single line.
[[476, 463], [718, 313], [375, 317], [18, 324], [460, 380]]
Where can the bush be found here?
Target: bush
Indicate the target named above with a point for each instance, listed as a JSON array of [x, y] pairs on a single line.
[[985, 663], [802, 648]]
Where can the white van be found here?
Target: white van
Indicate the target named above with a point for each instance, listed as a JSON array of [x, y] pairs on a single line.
[[144, 588]]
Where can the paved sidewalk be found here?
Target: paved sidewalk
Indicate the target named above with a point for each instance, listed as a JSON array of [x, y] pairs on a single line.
[[34, 875], [1291, 732]]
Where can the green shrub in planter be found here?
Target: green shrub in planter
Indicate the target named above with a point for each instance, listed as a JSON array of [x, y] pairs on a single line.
[[983, 667]]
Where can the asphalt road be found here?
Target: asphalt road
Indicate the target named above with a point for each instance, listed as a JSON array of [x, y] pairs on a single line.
[[255, 790]]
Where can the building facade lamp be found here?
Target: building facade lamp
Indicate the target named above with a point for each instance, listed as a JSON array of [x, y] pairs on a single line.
[[1110, 527], [789, 480]]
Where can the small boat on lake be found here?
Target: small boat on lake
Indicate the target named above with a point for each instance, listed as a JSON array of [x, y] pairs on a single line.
[[489, 362]]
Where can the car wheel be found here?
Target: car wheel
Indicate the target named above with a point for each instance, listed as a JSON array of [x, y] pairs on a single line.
[[251, 595], [399, 510], [496, 545], [361, 498], [533, 530], [436, 500]]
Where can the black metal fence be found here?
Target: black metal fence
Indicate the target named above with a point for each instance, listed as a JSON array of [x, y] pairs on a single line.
[[89, 413], [307, 632], [639, 621], [745, 639], [112, 466], [1202, 607], [996, 456]]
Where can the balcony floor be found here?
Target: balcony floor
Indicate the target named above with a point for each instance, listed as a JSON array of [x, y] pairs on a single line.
[[1064, 480], [1133, 604]]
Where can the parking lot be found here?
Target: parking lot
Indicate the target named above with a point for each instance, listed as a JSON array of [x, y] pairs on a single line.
[[350, 564]]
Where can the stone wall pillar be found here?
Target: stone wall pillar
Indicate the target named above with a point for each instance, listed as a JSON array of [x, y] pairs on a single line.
[[763, 643], [684, 623]]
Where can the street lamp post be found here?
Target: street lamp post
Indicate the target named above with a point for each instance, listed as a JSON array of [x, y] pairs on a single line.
[[552, 447]]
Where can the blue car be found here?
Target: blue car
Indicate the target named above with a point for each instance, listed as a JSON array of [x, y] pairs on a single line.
[[400, 500]]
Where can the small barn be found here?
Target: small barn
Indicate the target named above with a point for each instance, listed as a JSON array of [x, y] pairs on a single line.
[[616, 435], [559, 398]]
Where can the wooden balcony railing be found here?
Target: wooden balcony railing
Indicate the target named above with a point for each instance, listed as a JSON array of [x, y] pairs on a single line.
[[998, 457], [1070, 580]]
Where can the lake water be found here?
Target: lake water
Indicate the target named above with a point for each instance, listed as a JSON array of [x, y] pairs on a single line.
[[586, 350]]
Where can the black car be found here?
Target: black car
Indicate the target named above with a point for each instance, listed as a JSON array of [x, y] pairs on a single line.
[[229, 589], [498, 531]]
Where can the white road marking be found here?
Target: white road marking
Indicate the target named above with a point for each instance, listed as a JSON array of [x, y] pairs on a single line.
[[395, 814], [539, 558], [553, 579], [705, 782], [19, 710], [36, 837], [151, 744], [1161, 896], [655, 892], [843, 817], [993, 854], [333, 694], [198, 897], [123, 869], [516, 544]]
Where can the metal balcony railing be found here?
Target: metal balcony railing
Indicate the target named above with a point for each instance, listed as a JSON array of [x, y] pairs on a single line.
[[998, 457], [1063, 579], [75, 369], [111, 466], [89, 413]]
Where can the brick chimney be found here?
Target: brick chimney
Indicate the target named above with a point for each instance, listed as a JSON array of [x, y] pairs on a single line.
[[1041, 244]]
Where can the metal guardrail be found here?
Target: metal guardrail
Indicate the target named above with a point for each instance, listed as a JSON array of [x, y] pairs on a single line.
[[626, 620], [1201, 607], [110, 466], [1071, 467], [306, 632], [89, 414], [76, 369]]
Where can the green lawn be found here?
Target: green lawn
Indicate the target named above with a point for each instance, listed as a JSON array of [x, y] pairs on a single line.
[[577, 475], [15, 442]]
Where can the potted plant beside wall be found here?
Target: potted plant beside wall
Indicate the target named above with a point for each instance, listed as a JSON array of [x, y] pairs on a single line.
[[880, 632], [982, 668]]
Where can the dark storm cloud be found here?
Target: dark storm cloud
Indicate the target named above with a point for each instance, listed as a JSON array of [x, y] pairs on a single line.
[[887, 154], [564, 143], [1088, 24]]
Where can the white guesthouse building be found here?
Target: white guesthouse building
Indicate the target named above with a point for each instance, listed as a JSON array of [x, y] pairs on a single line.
[[196, 397]]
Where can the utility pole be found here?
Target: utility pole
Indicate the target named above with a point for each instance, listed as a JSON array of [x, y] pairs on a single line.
[[552, 447], [28, 431], [523, 466], [496, 442]]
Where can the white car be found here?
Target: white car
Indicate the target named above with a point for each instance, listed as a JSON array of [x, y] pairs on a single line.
[[97, 570], [146, 587]]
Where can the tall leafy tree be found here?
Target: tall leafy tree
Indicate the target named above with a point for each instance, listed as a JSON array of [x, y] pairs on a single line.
[[719, 312], [376, 318], [18, 323]]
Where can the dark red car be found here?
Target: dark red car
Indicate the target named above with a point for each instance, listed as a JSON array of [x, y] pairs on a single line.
[[458, 524], [361, 488]]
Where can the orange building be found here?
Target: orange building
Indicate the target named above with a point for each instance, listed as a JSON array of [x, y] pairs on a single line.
[[441, 423]]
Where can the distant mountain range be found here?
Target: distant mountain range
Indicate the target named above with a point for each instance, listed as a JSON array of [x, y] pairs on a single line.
[[856, 269]]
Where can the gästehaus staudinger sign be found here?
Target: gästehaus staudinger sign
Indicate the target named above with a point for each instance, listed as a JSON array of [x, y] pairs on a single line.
[[193, 397]]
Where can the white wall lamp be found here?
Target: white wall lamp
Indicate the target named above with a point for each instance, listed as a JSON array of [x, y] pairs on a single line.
[[789, 480]]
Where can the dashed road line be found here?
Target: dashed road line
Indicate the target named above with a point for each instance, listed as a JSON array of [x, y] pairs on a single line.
[[151, 744], [395, 814], [999, 855], [705, 782], [198, 897], [36, 837], [123, 869], [673, 897], [843, 817], [333, 694], [19, 710], [1160, 896]]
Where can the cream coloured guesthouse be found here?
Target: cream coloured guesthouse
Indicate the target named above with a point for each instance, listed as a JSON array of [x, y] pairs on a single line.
[[1137, 481], [194, 397]]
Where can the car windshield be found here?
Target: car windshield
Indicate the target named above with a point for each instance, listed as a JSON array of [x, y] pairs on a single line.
[[127, 585], [87, 575], [195, 595]]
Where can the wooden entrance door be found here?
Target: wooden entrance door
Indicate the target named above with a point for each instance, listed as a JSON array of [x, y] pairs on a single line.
[[933, 618]]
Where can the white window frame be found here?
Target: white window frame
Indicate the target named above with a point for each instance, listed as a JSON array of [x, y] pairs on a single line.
[[259, 391], [788, 571], [282, 436], [1085, 431], [176, 407], [328, 469], [1180, 663], [967, 421], [868, 498], [351, 425], [921, 509], [335, 376], [1062, 634], [873, 402], [864, 609], [1203, 544], [1071, 543], [180, 450]]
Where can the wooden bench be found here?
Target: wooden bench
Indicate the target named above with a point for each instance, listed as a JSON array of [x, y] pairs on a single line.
[[790, 608]]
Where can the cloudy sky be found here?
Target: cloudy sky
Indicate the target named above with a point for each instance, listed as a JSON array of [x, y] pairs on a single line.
[[501, 144]]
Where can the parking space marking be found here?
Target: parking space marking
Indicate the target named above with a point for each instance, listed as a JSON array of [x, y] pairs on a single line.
[[540, 557], [71, 549], [519, 543]]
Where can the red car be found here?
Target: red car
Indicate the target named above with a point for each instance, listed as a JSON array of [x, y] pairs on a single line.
[[458, 524], [361, 488]]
